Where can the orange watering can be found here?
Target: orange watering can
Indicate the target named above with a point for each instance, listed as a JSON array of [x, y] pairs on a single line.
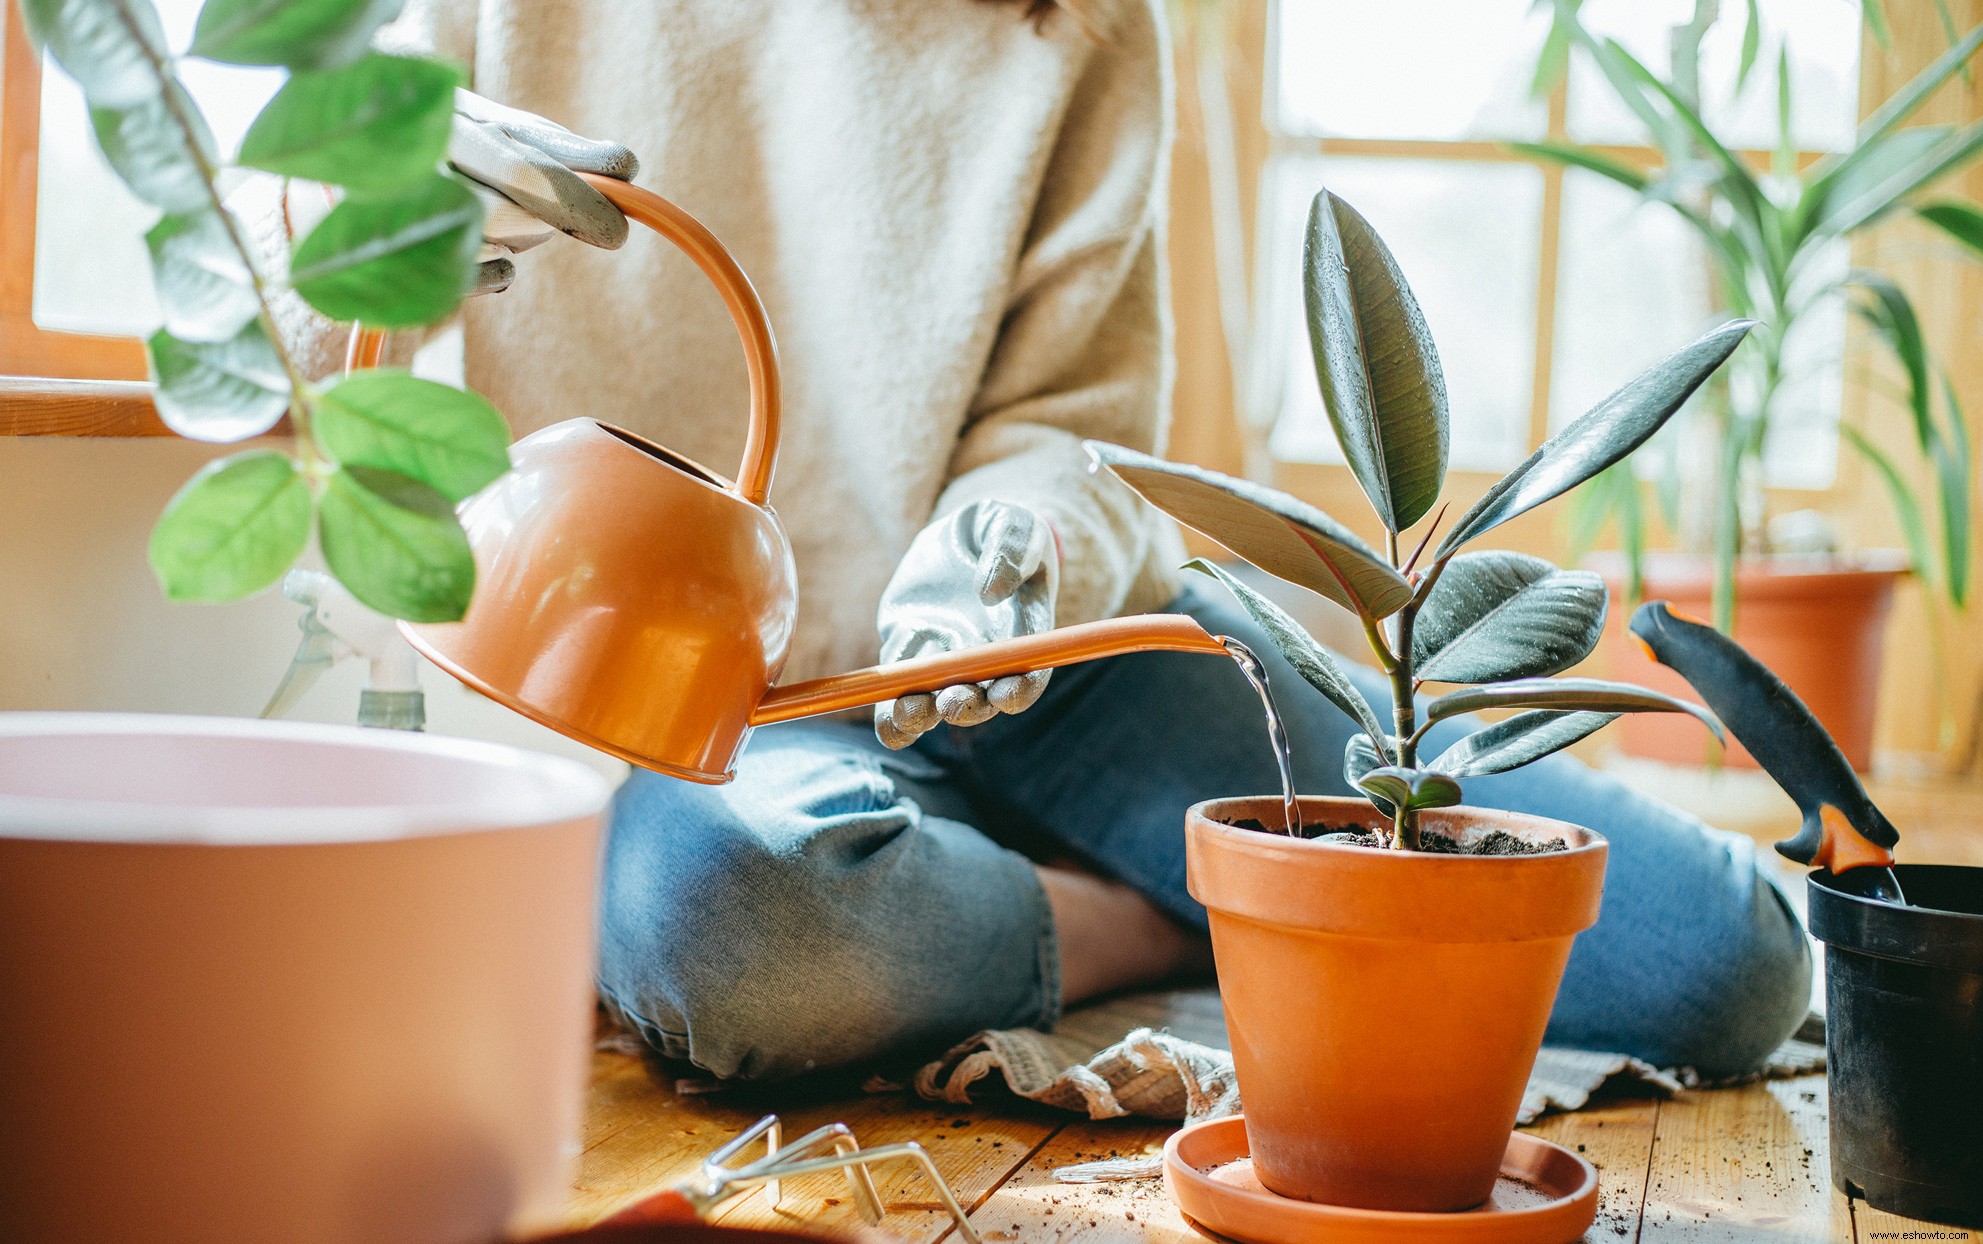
[[643, 604]]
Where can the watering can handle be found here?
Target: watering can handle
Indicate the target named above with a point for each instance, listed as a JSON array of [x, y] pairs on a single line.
[[746, 310]]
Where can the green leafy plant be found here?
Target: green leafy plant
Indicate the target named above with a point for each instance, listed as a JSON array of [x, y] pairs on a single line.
[[1766, 234], [380, 457], [1499, 625]]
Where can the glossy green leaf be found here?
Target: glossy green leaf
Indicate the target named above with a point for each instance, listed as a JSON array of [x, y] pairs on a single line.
[[1360, 756], [219, 390], [451, 440], [1600, 436], [1411, 788], [1376, 363], [1906, 509], [1585, 158], [396, 544], [1316, 664], [203, 285], [154, 152], [233, 528], [302, 34], [112, 48], [1284, 537], [1518, 740], [1589, 694], [396, 262], [1496, 615], [1961, 221], [374, 125]]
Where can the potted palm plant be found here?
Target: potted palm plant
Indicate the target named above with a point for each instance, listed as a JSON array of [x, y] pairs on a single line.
[[352, 967], [1767, 235], [1351, 929]]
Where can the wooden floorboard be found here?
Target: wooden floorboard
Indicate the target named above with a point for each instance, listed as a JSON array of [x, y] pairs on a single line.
[[1617, 1138], [1744, 1164], [1032, 1207]]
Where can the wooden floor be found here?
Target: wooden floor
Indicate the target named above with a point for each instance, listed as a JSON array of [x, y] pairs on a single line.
[[1723, 1165]]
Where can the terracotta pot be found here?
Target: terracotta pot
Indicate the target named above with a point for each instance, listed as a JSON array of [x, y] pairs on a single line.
[[1819, 623], [1385, 1007], [268, 981]]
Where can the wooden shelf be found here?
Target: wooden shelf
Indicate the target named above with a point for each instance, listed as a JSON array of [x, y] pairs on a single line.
[[34, 406]]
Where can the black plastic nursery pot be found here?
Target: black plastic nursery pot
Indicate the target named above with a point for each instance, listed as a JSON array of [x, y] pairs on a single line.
[[1904, 1040]]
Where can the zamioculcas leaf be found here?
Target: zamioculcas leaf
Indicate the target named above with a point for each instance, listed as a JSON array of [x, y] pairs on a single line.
[[233, 529], [392, 262], [1376, 363], [1592, 694], [1316, 664], [219, 390], [1411, 788], [302, 34], [1600, 436], [396, 544], [450, 440], [1518, 740], [1283, 537], [112, 48], [1498, 615], [203, 287], [376, 124], [146, 144]]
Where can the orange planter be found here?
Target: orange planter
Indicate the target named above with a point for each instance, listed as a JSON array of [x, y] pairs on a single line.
[[1385, 1007], [1819, 625]]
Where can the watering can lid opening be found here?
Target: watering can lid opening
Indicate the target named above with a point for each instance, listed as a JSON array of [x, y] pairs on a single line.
[[665, 456]]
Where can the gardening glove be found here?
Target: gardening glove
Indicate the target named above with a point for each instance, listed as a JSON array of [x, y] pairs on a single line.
[[988, 572], [520, 165]]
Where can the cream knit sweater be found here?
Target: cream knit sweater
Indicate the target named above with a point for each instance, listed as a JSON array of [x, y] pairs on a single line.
[[956, 224]]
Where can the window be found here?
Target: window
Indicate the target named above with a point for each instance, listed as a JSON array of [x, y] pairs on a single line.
[[75, 287], [1544, 289]]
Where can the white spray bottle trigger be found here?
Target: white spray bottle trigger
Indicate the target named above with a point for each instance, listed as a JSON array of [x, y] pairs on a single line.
[[335, 626]]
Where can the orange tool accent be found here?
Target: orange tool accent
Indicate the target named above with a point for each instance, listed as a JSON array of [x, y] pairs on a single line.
[[1844, 847], [643, 604]]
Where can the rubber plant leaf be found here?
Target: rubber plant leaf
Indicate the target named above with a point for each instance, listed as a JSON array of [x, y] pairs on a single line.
[[1411, 788], [112, 48], [301, 34], [1316, 664], [394, 262], [1767, 718], [377, 124], [1589, 694], [448, 439], [1374, 357], [1600, 436], [1518, 740], [160, 150], [1360, 757], [204, 288], [1284, 537], [233, 528], [396, 544], [1496, 615], [218, 390]]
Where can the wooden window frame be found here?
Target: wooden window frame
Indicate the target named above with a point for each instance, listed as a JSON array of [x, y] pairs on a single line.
[[51, 383], [1329, 483]]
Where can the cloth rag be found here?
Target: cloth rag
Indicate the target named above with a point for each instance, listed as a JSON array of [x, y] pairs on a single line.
[[1166, 1056]]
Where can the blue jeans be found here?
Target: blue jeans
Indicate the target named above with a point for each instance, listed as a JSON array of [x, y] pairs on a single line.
[[839, 901]]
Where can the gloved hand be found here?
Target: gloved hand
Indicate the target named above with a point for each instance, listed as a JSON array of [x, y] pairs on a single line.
[[988, 572], [521, 167]]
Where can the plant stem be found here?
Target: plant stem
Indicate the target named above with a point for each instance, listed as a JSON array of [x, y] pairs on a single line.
[[1404, 711], [299, 387]]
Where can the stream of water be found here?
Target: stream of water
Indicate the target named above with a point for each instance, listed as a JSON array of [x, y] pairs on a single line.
[[1277, 734]]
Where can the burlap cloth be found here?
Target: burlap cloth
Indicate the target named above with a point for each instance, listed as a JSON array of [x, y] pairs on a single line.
[[1164, 1056]]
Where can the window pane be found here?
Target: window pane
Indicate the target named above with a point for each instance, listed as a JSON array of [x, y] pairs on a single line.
[[1634, 284], [1427, 69], [1465, 235], [91, 274], [1824, 71]]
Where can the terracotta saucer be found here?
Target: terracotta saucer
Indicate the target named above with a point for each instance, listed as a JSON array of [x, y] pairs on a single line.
[[1547, 1195]]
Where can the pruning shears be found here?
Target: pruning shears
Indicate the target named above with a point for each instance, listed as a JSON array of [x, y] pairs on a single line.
[[1842, 829]]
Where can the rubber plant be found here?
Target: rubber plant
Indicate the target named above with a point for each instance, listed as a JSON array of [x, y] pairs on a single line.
[[379, 458], [1766, 234], [1499, 624]]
